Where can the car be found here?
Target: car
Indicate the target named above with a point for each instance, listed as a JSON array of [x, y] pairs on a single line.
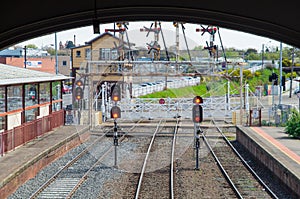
[[296, 90], [32, 95], [65, 89]]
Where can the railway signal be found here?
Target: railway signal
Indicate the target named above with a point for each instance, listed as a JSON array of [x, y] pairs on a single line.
[[197, 113], [274, 77], [211, 30], [115, 112], [78, 90], [197, 100], [116, 93]]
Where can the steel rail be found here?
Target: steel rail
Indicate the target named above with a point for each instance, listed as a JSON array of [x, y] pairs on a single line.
[[84, 177], [145, 161], [272, 194], [231, 183], [172, 161], [70, 163]]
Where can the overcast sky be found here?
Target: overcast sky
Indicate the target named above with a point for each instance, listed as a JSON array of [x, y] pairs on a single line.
[[230, 38]]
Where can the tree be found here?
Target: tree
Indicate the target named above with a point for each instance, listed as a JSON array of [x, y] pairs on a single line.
[[293, 124], [252, 56], [198, 48], [250, 50], [69, 44], [33, 46], [286, 62]]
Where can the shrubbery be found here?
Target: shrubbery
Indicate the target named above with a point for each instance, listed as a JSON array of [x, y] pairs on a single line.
[[293, 124]]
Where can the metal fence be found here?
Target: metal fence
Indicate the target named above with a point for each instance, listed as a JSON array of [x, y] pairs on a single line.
[[20, 135]]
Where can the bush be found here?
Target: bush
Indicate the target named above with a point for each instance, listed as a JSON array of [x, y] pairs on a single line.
[[293, 124]]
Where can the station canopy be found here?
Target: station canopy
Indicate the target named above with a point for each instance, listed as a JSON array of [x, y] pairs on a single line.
[[11, 75]]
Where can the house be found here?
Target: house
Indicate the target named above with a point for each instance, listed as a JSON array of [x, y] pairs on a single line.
[[103, 48]]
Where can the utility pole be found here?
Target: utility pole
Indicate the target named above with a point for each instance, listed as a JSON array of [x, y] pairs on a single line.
[[292, 70], [262, 56], [280, 76], [25, 56], [56, 59], [241, 94]]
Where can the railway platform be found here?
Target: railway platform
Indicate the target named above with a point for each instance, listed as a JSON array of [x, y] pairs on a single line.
[[23, 163], [276, 150]]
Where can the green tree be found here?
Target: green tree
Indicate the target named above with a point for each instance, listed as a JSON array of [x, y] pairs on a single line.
[[198, 47], [293, 124], [69, 44], [33, 46], [250, 50], [286, 62], [253, 56]]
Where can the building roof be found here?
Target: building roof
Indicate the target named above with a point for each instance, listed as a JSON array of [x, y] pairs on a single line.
[[11, 53], [100, 36], [11, 75]]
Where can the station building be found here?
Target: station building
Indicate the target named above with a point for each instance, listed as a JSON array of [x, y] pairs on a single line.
[[30, 105], [105, 47]]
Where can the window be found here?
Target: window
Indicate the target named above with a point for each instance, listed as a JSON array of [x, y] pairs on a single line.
[[14, 98], [2, 122], [44, 92], [64, 63], [88, 53], [2, 99], [104, 53], [78, 53], [2, 108], [56, 86], [31, 98], [114, 54]]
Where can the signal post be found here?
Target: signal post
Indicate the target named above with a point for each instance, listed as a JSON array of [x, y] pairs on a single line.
[[79, 96], [197, 116], [115, 113]]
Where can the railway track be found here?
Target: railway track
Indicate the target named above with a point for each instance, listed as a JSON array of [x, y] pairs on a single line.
[[69, 178], [241, 178], [157, 165], [163, 175]]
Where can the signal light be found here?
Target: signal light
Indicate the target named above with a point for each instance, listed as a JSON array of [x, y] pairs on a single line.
[[78, 93], [79, 83], [116, 93], [197, 100], [197, 113], [115, 112]]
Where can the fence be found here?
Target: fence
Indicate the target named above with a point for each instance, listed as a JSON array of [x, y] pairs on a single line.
[[138, 91], [20, 135]]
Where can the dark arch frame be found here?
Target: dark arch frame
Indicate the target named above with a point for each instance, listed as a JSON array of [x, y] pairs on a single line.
[[33, 18]]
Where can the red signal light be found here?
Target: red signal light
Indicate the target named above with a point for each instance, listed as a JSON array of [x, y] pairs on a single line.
[[79, 83], [78, 93], [197, 113], [116, 93], [197, 100], [115, 112]]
